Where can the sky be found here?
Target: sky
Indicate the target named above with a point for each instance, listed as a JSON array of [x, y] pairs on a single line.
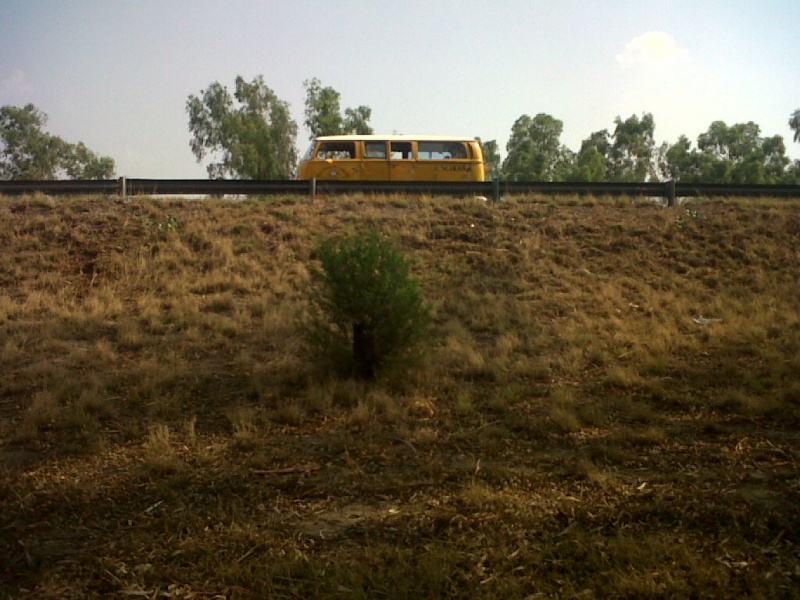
[[116, 74]]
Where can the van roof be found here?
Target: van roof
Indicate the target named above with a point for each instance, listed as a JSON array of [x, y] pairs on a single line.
[[394, 138]]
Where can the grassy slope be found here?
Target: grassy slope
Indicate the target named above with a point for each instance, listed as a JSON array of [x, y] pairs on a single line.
[[573, 431]]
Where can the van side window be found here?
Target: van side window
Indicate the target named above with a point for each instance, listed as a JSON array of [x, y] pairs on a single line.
[[375, 150], [336, 150], [441, 150], [401, 151]]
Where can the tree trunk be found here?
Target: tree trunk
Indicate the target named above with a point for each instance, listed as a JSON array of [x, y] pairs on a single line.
[[363, 352]]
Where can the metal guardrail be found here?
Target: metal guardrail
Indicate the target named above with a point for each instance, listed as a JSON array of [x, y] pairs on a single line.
[[123, 186], [733, 190], [60, 187]]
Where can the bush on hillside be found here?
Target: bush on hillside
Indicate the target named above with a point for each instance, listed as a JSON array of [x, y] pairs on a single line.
[[367, 311]]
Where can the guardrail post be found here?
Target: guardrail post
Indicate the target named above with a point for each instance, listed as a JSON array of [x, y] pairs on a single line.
[[671, 192], [496, 189], [313, 185]]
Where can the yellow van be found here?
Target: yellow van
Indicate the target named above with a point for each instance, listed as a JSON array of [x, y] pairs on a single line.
[[392, 158]]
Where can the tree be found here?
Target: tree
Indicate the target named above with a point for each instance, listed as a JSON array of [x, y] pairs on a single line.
[[81, 163], [631, 151], [792, 174], [738, 154], [534, 149], [591, 162], [794, 123], [491, 159], [252, 132], [590, 165], [681, 162], [775, 159], [600, 140], [29, 153], [356, 120], [735, 154], [324, 114], [367, 311]]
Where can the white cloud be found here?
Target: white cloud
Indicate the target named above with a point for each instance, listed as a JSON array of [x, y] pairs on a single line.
[[16, 85], [651, 47]]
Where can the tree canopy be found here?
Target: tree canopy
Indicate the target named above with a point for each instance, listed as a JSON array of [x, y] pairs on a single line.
[[728, 154], [324, 114], [28, 152], [491, 159], [252, 132], [534, 150], [724, 153], [794, 123], [590, 165], [630, 154]]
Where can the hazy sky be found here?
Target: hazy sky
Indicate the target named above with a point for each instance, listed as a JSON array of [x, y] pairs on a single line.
[[116, 74]]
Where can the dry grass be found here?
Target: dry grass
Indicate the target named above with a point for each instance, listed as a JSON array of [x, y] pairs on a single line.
[[609, 406]]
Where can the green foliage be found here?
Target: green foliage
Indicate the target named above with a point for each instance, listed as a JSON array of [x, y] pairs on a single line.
[[590, 165], [356, 120], [29, 153], [491, 158], [368, 312], [681, 163], [794, 123], [729, 154], [323, 112], [630, 156], [79, 162], [324, 115], [255, 138], [689, 216], [172, 223], [534, 150], [724, 154]]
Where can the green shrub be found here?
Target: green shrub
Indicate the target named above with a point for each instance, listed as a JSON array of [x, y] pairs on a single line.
[[367, 311]]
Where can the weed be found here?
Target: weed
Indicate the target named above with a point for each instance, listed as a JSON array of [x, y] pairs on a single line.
[[244, 420], [623, 377], [464, 404], [289, 412], [361, 414], [159, 455], [190, 431], [687, 218], [43, 412], [171, 223], [563, 413]]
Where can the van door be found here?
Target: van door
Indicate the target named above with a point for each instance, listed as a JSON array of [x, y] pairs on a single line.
[[402, 166], [375, 161], [335, 160], [444, 161]]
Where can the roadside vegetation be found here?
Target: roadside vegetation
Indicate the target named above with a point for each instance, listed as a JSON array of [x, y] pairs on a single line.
[[606, 404]]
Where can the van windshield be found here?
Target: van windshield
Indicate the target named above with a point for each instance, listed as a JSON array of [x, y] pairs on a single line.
[[336, 150]]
